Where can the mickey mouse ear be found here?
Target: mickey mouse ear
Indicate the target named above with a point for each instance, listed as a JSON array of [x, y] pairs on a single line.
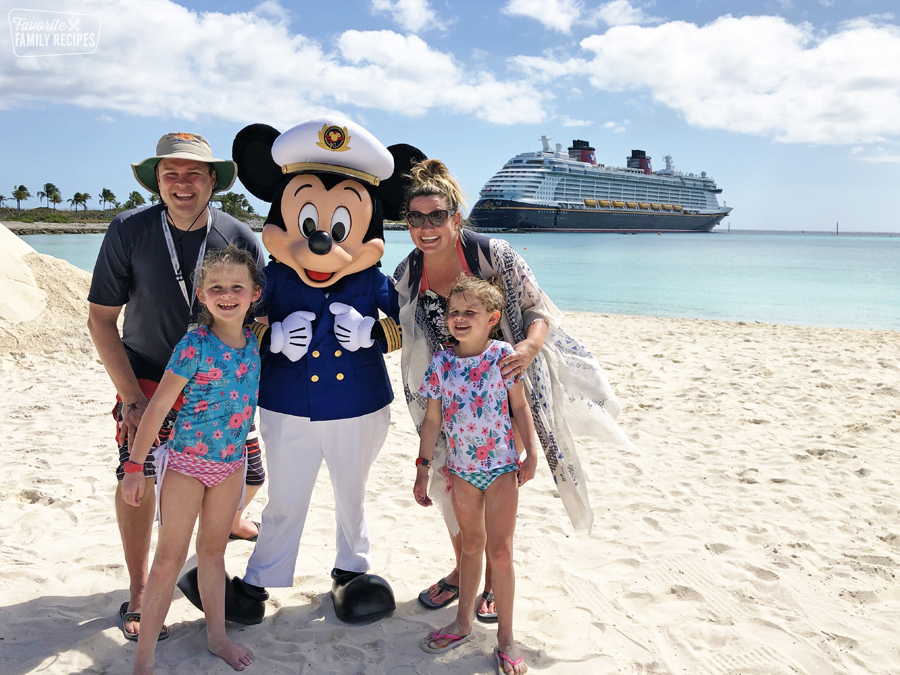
[[392, 189], [252, 151]]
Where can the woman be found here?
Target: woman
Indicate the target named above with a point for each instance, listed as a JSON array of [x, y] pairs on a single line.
[[567, 390]]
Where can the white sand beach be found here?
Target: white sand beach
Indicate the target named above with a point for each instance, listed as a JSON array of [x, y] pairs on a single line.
[[755, 532]]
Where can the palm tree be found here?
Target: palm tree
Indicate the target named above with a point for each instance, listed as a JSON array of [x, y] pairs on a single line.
[[84, 199], [40, 196], [20, 194], [54, 198], [3, 200], [75, 201], [233, 203], [154, 198], [137, 199], [49, 189], [106, 197]]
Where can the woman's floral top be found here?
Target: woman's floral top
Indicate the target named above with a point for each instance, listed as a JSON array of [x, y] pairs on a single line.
[[219, 398], [475, 407]]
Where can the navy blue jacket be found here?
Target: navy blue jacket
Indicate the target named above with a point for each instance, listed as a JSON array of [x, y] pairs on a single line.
[[329, 383]]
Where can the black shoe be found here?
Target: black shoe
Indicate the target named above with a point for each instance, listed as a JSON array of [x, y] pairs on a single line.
[[360, 597], [244, 603]]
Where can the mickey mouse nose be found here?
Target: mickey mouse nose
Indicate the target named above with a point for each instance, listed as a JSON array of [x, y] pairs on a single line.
[[320, 242]]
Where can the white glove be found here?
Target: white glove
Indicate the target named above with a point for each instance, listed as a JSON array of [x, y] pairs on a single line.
[[293, 335], [352, 329]]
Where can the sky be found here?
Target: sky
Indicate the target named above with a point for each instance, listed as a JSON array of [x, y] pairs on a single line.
[[792, 106]]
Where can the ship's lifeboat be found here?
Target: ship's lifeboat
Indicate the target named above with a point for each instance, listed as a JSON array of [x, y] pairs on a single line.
[[604, 202], [618, 205], [666, 207], [631, 205], [591, 202], [644, 205], [677, 207], [654, 207]]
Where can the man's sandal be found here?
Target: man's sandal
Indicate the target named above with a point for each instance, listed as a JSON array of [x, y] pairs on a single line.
[[125, 616]]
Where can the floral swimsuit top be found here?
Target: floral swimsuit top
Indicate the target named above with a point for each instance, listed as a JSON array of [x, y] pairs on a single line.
[[219, 398], [475, 408]]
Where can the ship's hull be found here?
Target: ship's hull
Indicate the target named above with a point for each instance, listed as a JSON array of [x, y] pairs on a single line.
[[495, 214]]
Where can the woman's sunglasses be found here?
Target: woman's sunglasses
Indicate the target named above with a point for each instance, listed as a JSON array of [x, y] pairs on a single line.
[[436, 218]]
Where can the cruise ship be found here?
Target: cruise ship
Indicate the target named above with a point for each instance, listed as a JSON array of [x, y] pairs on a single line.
[[570, 192]]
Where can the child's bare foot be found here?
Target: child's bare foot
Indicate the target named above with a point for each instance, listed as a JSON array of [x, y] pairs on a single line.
[[235, 655], [510, 659]]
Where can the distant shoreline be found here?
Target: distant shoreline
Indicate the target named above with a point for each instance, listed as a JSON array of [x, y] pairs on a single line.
[[21, 229], [256, 225]]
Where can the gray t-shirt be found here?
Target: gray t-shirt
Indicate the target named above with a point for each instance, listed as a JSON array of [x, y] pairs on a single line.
[[134, 269]]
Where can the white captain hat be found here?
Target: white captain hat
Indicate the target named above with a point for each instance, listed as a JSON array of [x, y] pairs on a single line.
[[334, 145]]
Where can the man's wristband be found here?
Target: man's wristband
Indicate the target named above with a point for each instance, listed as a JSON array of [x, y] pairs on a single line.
[[421, 461], [132, 467]]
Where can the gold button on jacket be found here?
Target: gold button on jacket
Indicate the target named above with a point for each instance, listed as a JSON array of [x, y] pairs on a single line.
[[315, 354], [315, 378]]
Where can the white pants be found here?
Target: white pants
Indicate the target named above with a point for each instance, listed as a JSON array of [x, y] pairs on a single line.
[[295, 448]]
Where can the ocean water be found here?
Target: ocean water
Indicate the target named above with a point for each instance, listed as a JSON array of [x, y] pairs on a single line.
[[813, 280]]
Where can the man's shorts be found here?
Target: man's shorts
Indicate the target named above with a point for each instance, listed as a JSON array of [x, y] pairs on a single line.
[[256, 474]]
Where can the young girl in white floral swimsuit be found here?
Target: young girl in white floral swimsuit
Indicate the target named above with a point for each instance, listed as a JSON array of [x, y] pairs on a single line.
[[471, 402], [202, 466]]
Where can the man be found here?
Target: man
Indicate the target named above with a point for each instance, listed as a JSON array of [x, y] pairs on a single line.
[[146, 264]]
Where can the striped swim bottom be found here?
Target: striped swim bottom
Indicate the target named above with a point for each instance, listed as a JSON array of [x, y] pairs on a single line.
[[207, 472]]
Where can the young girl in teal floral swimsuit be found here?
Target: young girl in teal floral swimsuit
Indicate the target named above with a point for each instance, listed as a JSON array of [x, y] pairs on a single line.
[[202, 466], [469, 399]]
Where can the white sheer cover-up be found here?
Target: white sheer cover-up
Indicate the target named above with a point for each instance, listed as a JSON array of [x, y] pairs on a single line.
[[569, 393]]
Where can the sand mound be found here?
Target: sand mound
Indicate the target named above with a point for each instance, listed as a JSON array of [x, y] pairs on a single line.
[[43, 304]]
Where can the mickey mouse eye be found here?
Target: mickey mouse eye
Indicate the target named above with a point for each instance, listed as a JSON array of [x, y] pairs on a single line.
[[340, 224], [308, 220]]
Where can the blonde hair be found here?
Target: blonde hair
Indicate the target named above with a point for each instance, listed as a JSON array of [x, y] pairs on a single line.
[[488, 293], [231, 255], [432, 177]]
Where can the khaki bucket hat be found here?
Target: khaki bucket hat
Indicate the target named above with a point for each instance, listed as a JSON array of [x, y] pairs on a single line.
[[184, 146]]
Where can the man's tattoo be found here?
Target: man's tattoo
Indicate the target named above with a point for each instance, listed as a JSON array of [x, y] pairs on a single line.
[[132, 407]]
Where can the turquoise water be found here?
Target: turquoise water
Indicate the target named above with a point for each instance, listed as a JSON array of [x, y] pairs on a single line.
[[847, 281]]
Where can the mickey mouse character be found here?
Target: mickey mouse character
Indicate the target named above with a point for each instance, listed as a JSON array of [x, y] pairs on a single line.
[[324, 389]]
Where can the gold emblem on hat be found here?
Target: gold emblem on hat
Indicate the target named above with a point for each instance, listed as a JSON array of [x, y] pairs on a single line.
[[183, 137], [334, 138]]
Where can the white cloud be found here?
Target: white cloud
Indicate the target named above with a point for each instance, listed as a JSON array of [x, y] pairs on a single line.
[[757, 75], [562, 15], [272, 10], [622, 13], [876, 155], [570, 122], [411, 15], [156, 58], [558, 15]]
